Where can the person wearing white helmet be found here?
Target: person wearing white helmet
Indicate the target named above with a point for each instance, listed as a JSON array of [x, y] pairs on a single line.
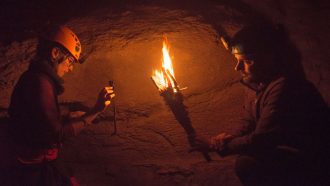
[[35, 121]]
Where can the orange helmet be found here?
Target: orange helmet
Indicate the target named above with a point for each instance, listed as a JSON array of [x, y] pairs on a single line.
[[69, 40]]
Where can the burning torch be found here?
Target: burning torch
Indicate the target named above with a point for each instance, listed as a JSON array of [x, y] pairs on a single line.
[[168, 88]]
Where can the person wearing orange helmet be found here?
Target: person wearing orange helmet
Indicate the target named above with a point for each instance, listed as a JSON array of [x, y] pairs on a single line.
[[35, 121]]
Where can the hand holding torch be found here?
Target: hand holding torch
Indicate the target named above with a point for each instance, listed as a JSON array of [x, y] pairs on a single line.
[[174, 99]]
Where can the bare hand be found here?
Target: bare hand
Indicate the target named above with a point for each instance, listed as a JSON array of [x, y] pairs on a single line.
[[222, 137], [218, 142], [201, 143], [104, 98], [76, 114], [205, 144]]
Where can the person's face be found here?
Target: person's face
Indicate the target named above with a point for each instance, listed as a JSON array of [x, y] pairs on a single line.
[[246, 67], [65, 61], [65, 66]]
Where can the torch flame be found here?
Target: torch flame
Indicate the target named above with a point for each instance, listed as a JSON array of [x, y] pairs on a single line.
[[167, 62], [165, 79]]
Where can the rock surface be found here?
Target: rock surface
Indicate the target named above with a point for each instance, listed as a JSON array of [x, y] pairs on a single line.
[[122, 42]]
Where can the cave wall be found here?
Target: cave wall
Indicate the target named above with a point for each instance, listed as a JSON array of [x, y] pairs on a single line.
[[122, 42], [306, 22]]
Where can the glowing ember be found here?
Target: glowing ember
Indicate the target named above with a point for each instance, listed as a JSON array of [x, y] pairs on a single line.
[[165, 79]]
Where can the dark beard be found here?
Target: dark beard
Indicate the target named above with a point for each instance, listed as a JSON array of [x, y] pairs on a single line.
[[248, 79]]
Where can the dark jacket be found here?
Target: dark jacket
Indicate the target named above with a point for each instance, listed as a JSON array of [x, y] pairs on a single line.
[[34, 110], [287, 114]]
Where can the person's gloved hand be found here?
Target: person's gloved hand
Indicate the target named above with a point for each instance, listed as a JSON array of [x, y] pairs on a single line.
[[104, 98]]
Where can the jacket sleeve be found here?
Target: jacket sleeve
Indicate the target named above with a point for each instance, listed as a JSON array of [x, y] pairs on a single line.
[[244, 123], [267, 131]]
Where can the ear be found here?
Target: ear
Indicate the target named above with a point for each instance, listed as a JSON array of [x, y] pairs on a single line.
[[55, 53]]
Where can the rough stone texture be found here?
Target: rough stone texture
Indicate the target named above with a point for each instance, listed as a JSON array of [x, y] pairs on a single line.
[[122, 42]]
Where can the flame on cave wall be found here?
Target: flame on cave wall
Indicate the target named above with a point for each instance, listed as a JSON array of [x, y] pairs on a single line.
[[164, 78]]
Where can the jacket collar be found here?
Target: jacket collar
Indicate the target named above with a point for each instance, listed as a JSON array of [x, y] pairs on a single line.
[[256, 87], [44, 66]]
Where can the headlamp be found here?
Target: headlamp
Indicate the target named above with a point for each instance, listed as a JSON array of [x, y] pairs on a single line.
[[233, 48]]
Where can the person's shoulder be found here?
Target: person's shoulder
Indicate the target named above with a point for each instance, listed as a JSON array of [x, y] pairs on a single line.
[[290, 88], [37, 78], [280, 81], [278, 88]]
